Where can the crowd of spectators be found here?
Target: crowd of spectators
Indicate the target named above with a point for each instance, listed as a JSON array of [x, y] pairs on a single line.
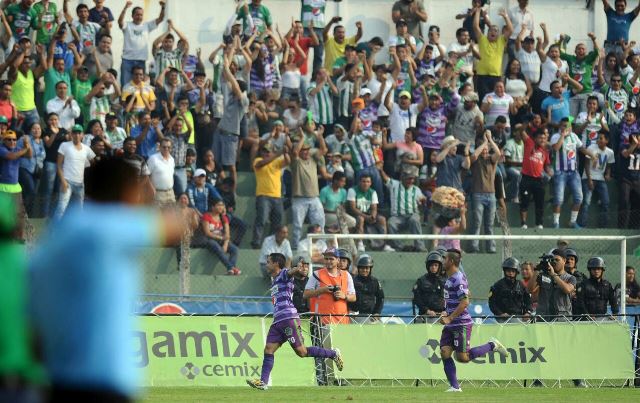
[[357, 136]]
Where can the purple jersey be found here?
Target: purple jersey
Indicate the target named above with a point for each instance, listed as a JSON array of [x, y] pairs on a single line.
[[282, 297], [456, 288]]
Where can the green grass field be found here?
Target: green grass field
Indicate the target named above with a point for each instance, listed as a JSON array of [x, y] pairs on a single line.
[[388, 394]]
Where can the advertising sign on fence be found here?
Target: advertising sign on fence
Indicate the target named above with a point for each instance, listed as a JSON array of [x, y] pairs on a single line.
[[540, 351], [213, 351]]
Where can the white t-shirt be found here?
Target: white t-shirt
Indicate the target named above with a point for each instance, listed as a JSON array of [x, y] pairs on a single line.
[[499, 106], [603, 158], [550, 73], [395, 40], [161, 171], [400, 120], [529, 64], [75, 161], [458, 48], [313, 283], [136, 40], [514, 151]]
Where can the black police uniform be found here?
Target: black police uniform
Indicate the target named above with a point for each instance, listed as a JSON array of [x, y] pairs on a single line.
[[428, 293], [300, 303], [369, 296], [593, 296], [510, 297], [580, 277]]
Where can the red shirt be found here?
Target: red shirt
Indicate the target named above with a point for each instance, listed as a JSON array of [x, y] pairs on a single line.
[[216, 227], [535, 158], [6, 110], [304, 43]]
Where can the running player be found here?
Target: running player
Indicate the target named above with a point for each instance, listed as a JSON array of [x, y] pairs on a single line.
[[286, 322], [456, 334]]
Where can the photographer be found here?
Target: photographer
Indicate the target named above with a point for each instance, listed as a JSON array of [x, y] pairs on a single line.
[[329, 289], [555, 285], [508, 296]]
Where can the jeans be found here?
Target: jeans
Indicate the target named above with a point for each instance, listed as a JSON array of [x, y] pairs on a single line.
[[514, 177], [376, 181], [302, 207], [412, 223], [267, 209], [179, 181], [215, 247], [237, 227], [561, 180], [601, 190], [484, 212], [318, 51], [29, 118], [532, 187], [75, 191], [29, 186], [125, 70], [49, 180], [624, 201]]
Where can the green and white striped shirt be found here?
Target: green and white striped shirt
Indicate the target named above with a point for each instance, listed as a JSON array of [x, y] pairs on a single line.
[[165, 59], [99, 108], [88, 33], [361, 151], [321, 104], [345, 96], [404, 201], [313, 10]]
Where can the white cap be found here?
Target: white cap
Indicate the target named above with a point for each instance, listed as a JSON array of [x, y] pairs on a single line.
[[199, 172], [365, 91]]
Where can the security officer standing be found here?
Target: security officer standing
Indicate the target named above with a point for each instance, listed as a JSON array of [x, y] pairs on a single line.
[[428, 292], [508, 297], [369, 293], [299, 283], [571, 267], [595, 292]]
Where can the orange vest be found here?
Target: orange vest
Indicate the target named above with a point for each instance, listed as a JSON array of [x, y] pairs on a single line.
[[325, 303]]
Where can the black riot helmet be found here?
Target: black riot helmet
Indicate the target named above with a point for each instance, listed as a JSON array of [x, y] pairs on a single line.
[[571, 252], [596, 263], [511, 263]]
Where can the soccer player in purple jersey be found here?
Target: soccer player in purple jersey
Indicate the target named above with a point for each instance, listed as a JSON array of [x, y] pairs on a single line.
[[286, 322], [456, 334]]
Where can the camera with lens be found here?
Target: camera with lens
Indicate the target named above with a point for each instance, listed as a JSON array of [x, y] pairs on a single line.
[[334, 289], [545, 263]]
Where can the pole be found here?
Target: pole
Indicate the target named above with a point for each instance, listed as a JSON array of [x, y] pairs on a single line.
[[623, 277]]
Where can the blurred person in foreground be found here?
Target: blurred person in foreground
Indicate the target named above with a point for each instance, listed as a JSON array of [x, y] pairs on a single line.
[[18, 369], [87, 350]]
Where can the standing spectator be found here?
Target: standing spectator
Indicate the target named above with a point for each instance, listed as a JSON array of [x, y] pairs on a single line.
[[23, 79], [200, 192], [165, 54], [536, 161], [363, 203], [334, 46], [84, 31], [99, 59], [73, 157], [483, 171], [101, 15], [580, 69], [405, 199], [522, 20], [54, 136], [147, 133], [215, 235], [136, 39], [498, 103], [332, 196], [145, 97], [313, 19], [632, 288], [630, 184], [590, 123], [411, 11], [552, 68], [556, 106], [363, 157], [10, 155], [514, 155], [7, 107], [31, 168], [618, 25], [597, 173], [402, 115], [161, 166], [566, 146], [433, 119], [56, 71], [114, 133], [64, 106], [236, 102], [319, 97], [528, 57], [22, 18], [450, 163], [260, 15], [464, 51], [468, 120], [97, 102], [304, 180], [518, 86], [46, 17], [491, 48], [179, 138], [303, 36], [276, 243]]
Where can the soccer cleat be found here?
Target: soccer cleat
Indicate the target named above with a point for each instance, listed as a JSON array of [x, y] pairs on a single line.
[[452, 389], [257, 384], [499, 347], [338, 359]]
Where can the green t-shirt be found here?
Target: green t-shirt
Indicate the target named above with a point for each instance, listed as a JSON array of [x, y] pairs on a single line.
[[581, 70], [79, 90], [48, 18], [51, 78], [16, 358], [330, 199], [21, 21], [261, 18]]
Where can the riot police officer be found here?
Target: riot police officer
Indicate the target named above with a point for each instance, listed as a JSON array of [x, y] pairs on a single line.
[[299, 283], [369, 293], [571, 267], [595, 292], [428, 292], [508, 297]]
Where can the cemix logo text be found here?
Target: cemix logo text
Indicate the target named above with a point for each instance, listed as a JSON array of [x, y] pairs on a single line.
[[521, 355], [164, 344]]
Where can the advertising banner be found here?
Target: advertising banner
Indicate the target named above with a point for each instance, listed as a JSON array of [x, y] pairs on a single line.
[[213, 351], [540, 351]]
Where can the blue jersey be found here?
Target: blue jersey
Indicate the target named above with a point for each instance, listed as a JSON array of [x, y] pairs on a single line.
[[456, 288], [282, 297]]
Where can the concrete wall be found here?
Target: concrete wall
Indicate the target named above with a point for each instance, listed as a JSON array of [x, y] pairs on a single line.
[[203, 20]]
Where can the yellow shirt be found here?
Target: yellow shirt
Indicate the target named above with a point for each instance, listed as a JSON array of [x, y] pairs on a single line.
[[268, 177], [146, 92], [490, 63], [333, 50]]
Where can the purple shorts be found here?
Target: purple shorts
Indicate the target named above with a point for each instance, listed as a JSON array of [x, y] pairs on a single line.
[[458, 337], [286, 330]]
